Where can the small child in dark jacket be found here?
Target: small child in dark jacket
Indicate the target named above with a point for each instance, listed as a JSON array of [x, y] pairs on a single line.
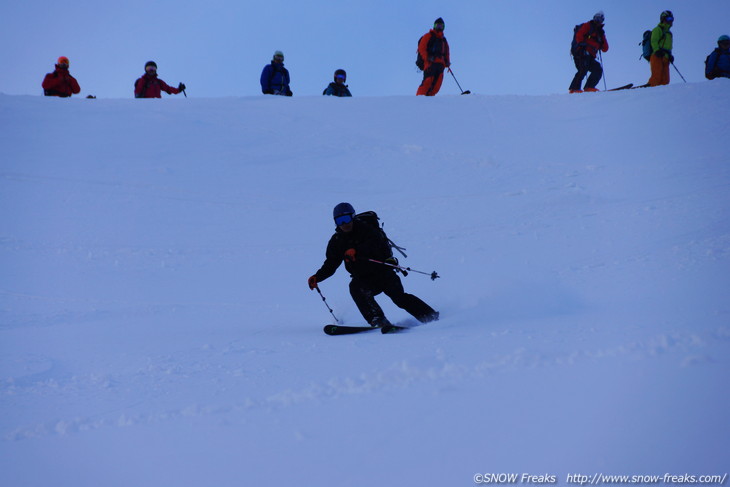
[[338, 86]]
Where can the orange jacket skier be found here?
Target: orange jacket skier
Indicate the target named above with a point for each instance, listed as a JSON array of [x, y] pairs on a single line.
[[433, 48]]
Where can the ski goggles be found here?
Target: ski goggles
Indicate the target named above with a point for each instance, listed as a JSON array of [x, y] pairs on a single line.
[[340, 76], [343, 219], [669, 19]]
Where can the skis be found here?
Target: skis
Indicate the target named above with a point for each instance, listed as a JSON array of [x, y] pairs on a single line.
[[392, 329], [346, 330], [624, 87], [350, 330]]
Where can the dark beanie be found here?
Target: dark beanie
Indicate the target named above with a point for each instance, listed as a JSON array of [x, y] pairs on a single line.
[[150, 63], [439, 21]]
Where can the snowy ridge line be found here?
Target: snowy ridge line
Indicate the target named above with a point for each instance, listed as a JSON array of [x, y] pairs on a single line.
[[398, 376]]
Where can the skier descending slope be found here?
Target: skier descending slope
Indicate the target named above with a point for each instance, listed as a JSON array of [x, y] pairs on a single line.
[[357, 242]]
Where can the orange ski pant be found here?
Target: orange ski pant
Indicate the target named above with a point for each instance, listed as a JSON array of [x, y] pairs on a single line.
[[659, 70], [431, 84]]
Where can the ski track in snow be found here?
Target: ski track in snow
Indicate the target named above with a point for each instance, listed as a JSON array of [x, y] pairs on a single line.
[[686, 350]]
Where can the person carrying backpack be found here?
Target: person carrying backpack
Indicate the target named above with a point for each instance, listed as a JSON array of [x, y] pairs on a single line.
[[661, 50], [275, 77], [338, 86], [60, 82], [717, 64], [433, 50], [356, 242], [588, 40], [150, 86]]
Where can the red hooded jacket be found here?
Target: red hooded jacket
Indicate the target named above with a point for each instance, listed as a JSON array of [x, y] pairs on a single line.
[[150, 86], [437, 52], [591, 35], [60, 83]]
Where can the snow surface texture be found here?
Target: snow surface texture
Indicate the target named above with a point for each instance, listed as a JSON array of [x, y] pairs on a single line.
[[157, 328]]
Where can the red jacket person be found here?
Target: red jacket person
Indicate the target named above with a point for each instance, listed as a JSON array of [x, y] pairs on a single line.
[[434, 50], [150, 86], [589, 39], [60, 82]]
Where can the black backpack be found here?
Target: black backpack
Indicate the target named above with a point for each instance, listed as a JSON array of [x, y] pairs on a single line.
[[420, 62], [431, 49], [574, 45], [371, 218]]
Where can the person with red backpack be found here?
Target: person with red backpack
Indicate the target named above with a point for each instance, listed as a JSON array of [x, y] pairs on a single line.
[[588, 40], [60, 82], [150, 86], [433, 49]]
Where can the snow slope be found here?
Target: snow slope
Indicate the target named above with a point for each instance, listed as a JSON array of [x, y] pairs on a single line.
[[156, 328]]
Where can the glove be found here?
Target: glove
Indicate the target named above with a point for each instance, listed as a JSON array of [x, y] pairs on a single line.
[[671, 58], [312, 281], [394, 261], [181, 87], [350, 255]]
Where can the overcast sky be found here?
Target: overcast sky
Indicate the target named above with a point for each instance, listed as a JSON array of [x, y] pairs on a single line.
[[218, 47]]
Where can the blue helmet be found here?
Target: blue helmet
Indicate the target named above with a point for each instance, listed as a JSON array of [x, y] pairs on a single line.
[[343, 209], [666, 16]]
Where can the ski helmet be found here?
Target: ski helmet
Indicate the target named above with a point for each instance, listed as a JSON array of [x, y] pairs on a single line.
[[343, 209], [150, 63], [667, 16], [599, 17], [342, 73], [63, 60], [439, 22], [723, 38], [278, 56]]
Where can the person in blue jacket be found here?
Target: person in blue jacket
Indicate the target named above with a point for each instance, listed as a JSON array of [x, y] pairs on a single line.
[[338, 86], [717, 64], [275, 77]]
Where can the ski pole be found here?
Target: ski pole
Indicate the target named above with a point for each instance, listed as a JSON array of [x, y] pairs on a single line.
[[680, 74], [457, 83], [433, 274], [328, 306], [603, 70]]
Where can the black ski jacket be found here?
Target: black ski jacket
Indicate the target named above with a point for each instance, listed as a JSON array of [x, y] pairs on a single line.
[[368, 243]]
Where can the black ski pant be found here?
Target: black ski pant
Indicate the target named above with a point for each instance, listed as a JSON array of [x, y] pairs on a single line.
[[584, 64], [364, 289]]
